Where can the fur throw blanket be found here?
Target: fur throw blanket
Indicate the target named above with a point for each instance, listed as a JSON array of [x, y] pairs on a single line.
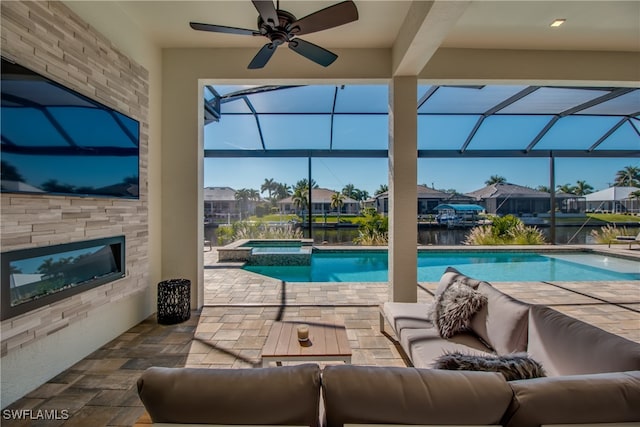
[[515, 366]]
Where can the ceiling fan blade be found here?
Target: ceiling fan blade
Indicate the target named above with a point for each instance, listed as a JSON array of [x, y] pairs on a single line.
[[329, 17], [263, 56], [313, 52], [267, 11], [222, 29]]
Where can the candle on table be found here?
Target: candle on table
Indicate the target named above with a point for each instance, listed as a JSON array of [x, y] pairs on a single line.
[[303, 332]]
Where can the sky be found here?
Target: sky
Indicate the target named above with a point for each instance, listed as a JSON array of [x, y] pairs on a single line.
[[308, 129]]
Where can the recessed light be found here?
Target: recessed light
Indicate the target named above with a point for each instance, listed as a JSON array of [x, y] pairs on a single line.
[[557, 22]]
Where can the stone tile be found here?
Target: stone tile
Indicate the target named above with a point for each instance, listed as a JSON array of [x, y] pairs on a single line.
[[227, 334], [116, 398], [613, 292], [126, 416], [94, 416], [66, 404], [47, 390]]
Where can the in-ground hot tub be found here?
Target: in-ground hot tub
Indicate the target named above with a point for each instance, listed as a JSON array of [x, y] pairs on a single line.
[[286, 252], [280, 255]]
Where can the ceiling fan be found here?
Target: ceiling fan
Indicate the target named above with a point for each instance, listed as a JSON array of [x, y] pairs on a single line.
[[280, 27]]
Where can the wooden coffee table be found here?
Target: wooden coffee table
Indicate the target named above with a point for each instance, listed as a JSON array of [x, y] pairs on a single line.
[[326, 343]]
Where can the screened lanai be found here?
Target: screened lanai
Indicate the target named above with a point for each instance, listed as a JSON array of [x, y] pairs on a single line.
[[475, 121], [453, 121]]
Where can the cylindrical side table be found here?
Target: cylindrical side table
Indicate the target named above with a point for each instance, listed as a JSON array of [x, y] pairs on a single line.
[[174, 301]]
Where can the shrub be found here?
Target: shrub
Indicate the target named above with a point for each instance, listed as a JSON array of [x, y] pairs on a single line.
[[523, 235], [375, 238], [256, 230], [373, 228], [224, 235], [608, 233], [482, 235], [506, 230]]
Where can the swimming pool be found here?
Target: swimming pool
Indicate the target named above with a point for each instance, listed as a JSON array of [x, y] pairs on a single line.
[[512, 266]]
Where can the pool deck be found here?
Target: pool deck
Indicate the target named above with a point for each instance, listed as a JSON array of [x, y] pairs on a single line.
[[611, 305], [240, 307]]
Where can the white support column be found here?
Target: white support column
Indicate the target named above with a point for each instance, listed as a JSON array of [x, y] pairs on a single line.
[[403, 197]]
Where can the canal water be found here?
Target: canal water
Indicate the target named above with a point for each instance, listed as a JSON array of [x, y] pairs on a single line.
[[442, 236]]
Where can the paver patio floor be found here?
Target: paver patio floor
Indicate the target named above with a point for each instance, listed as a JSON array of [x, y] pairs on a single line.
[[230, 331]]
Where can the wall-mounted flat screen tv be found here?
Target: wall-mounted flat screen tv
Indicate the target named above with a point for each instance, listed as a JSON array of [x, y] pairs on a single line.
[[57, 141]]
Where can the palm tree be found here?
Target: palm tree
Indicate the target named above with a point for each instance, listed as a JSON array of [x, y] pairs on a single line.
[[566, 188], [360, 195], [349, 190], [300, 198], [337, 201], [496, 179], [254, 195], [282, 190], [582, 188], [628, 177], [381, 189], [269, 186], [304, 183], [635, 195], [243, 196]]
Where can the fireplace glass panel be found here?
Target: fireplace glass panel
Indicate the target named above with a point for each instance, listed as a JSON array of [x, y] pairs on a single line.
[[39, 276]]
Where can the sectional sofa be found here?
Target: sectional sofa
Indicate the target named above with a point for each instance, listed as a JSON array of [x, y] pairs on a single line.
[[303, 395], [591, 376], [561, 344]]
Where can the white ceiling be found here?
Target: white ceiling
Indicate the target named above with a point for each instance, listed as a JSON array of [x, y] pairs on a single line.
[[590, 25]]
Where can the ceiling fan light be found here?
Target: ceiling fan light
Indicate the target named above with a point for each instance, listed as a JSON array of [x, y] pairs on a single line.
[[557, 22]]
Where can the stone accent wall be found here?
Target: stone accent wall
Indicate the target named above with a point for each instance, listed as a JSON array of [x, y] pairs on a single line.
[[50, 39]]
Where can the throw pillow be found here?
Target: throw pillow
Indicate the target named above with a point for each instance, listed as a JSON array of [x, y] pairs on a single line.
[[516, 366], [452, 312], [451, 276]]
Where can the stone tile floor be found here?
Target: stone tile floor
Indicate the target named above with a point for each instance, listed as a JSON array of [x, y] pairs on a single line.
[[240, 307]]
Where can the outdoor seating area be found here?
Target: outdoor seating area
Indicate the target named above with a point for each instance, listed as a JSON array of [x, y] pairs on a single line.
[[130, 132], [231, 331]]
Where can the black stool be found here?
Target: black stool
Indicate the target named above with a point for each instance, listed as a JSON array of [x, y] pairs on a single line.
[[174, 301]]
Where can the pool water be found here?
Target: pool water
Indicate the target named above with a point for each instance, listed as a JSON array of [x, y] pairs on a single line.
[[279, 250], [272, 244], [372, 266]]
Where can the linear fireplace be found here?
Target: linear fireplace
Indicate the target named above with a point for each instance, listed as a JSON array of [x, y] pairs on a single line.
[[35, 277]]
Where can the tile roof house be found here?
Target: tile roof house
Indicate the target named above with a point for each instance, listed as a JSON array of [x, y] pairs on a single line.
[[321, 200], [220, 204], [506, 198], [428, 199]]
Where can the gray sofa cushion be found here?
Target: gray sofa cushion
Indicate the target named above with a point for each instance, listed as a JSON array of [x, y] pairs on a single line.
[[287, 395], [502, 322], [567, 346], [420, 315], [395, 395], [410, 315], [595, 398], [423, 346]]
